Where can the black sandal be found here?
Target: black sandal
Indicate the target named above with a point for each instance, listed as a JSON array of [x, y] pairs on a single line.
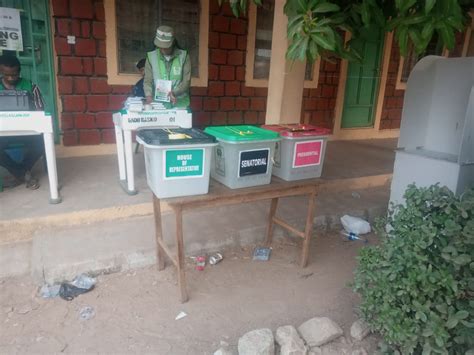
[[31, 182]]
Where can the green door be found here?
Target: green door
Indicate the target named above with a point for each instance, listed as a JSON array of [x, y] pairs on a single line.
[[37, 57], [362, 81]]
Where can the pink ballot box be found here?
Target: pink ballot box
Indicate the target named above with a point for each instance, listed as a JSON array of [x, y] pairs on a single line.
[[300, 153]]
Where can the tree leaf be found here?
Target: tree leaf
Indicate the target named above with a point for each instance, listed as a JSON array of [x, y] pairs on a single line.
[[454, 22], [326, 7], [468, 324], [427, 332], [313, 51], [402, 34], [243, 6], [429, 5], [447, 36], [449, 249], [325, 40], [235, 7], [292, 49], [461, 314], [462, 259], [302, 6], [406, 5], [365, 14], [301, 53], [421, 316], [451, 323], [417, 41], [398, 4], [295, 25], [414, 20]]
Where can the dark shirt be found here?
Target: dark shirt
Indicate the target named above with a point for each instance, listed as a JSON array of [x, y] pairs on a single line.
[[26, 85], [137, 89]]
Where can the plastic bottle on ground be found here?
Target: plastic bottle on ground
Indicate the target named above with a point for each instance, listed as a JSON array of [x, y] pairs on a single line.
[[352, 236]]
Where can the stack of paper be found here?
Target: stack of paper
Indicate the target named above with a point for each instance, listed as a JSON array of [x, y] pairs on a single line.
[[134, 104], [158, 106]]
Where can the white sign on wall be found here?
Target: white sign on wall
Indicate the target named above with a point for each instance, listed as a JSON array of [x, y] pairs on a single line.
[[10, 29]]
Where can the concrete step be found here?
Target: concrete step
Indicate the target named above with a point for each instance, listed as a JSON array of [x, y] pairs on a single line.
[[60, 252]]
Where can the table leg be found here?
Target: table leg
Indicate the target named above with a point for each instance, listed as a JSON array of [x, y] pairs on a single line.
[[160, 254], [129, 163], [52, 169], [308, 230], [120, 152], [273, 208], [180, 262]]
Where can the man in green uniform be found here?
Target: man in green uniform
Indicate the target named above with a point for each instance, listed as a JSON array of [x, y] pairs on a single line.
[[33, 144], [168, 63]]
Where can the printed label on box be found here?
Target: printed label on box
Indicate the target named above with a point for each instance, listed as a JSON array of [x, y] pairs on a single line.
[[183, 163], [277, 155], [307, 153], [253, 162], [220, 160]]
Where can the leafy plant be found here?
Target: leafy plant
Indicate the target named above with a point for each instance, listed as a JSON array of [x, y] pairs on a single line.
[[417, 286], [316, 27]]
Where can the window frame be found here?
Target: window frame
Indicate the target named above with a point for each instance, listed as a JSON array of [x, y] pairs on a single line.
[[250, 81], [400, 85], [116, 78], [469, 34]]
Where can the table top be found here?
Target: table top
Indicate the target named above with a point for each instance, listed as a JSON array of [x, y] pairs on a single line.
[[25, 122], [159, 118], [221, 194]]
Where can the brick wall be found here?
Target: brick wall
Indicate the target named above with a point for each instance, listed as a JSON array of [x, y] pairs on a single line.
[[87, 100], [393, 100], [227, 100], [319, 103]]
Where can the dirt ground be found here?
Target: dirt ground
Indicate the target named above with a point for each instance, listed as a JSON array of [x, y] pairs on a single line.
[[135, 311]]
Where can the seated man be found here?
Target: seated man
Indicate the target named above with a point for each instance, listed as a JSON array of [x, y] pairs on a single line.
[[33, 144], [137, 89]]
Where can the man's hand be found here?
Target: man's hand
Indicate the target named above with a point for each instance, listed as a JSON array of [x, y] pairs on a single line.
[[148, 100], [172, 97]]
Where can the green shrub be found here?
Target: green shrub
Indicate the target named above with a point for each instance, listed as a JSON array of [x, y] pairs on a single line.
[[417, 285]]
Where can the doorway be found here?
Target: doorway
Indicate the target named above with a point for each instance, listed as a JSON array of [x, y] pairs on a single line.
[[37, 56], [363, 80]]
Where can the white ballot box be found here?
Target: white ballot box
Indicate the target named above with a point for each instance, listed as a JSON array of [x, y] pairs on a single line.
[[127, 121]]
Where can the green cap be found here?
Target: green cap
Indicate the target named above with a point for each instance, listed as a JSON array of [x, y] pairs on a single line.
[[164, 37]]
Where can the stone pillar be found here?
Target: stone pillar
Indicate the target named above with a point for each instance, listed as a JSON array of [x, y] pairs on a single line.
[[285, 85]]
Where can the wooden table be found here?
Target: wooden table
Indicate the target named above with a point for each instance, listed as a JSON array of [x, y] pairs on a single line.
[[221, 195]]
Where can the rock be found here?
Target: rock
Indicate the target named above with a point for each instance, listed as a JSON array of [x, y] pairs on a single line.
[[338, 347], [257, 342], [290, 341], [315, 351], [223, 351], [319, 330], [360, 351], [359, 329]]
